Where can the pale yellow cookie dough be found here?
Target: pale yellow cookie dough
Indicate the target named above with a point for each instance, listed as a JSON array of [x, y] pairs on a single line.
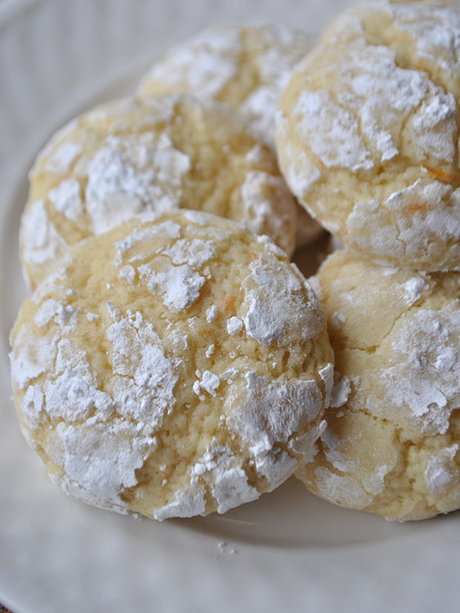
[[157, 154], [368, 133], [172, 367], [393, 437]]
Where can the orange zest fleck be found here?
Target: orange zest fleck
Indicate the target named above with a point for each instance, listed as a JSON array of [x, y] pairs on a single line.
[[228, 303], [416, 207], [442, 175], [252, 256]]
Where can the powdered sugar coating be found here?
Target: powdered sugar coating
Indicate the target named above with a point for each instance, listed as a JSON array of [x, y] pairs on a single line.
[[265, 212], [267, 411], [429, 31], [138, 382], [131, 157], [368, 134], [274, 296], [441, 471], [331, 132], [40, 239], [123, 177], [66, 198], [391, 442]]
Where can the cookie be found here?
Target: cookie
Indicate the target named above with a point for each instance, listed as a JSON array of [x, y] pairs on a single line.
[[245, 66], [172, 367], [393, 436], [157, 154], [368, 137]]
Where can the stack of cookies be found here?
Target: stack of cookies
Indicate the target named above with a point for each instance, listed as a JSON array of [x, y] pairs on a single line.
[[171, 360], [368, 141]]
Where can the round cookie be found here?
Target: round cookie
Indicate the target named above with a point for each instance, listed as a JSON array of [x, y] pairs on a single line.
[[157, 154], [368, 133], [393, 437], [172, 367], [244, 66]]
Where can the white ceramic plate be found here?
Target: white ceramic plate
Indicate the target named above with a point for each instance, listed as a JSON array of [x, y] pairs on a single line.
[[288, 551]]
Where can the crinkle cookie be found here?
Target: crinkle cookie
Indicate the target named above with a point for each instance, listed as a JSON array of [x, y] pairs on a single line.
[[368, 136], [244, 66], [393, 437], [157, 154], [172, 367]]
